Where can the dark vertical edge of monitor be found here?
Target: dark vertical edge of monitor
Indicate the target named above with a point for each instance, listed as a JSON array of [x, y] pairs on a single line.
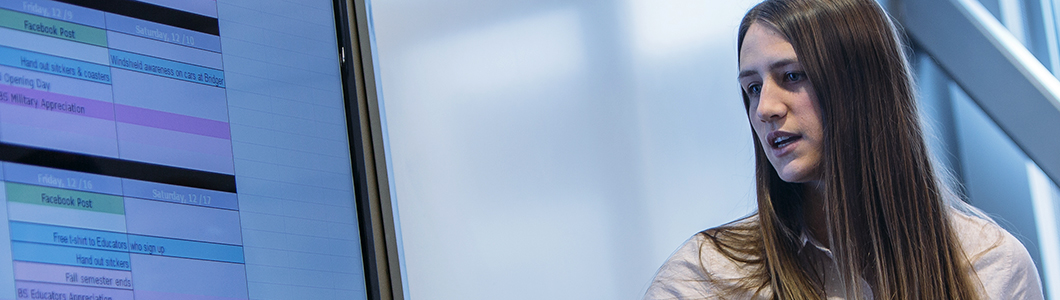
[[382, 272]]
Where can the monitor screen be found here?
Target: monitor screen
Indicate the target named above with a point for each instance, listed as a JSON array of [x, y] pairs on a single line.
[[174, 149]]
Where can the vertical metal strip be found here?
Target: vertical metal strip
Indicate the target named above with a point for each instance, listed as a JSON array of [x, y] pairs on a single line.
[[378, 235], [1049, 20]]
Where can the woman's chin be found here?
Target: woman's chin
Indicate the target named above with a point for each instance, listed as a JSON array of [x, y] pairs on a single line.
[[797, 176], [800, 170]]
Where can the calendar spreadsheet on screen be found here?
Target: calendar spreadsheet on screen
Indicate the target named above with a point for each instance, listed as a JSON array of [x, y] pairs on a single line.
[[174, 149]]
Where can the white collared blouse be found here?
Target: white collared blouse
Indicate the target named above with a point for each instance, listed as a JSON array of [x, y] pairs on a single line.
[[1006, 271]]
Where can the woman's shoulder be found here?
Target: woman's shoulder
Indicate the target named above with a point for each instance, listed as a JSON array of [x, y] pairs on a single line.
[[1000, 261], [702, 267]]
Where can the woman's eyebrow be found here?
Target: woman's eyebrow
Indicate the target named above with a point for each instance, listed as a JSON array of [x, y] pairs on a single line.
[[746, 73], [773, 66]]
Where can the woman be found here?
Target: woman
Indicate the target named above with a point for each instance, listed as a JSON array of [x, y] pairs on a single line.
[[849, 206]]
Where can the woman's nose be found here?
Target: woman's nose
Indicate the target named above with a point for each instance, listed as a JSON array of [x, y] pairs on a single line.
[[771, 105]]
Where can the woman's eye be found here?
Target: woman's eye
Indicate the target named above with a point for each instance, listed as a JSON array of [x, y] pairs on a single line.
[[754, 89], [794, 76]]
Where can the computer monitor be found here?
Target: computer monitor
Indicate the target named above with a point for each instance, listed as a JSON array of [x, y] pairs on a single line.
[[178, 149]]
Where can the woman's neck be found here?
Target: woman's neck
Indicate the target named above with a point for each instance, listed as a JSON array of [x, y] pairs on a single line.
[[814, 214]]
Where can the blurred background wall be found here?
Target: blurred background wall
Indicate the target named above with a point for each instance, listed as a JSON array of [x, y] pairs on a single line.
[[564, 149], [559, 149]]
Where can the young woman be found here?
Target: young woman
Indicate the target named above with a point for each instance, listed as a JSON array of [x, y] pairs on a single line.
[[849, 206]]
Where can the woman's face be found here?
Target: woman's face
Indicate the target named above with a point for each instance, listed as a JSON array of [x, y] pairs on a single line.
[[783, 107]]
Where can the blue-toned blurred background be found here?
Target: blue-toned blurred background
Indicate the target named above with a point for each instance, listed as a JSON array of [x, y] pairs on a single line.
[[563, 149]]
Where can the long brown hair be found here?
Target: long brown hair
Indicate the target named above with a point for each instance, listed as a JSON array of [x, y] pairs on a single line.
[[887, 220]]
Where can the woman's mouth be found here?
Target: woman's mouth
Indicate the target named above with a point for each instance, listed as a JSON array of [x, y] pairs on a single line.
[[780, 140]]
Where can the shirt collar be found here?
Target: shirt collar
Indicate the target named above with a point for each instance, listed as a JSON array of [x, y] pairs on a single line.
[[806, 238]]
